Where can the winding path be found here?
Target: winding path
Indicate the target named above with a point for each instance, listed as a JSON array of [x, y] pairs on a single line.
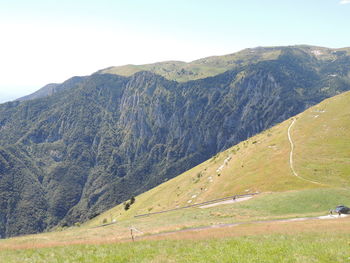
[[291, 156], [291, 149]]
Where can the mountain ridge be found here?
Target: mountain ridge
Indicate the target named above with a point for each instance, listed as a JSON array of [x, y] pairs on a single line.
[[187, 71]]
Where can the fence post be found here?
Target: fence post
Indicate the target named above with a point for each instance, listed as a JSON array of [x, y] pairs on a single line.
[[132, 236]]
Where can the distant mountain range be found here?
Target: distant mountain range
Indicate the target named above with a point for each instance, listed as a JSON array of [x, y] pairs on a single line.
[[72, 150]]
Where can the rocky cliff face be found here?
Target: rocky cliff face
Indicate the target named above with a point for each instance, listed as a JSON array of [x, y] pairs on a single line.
[[99, 140]]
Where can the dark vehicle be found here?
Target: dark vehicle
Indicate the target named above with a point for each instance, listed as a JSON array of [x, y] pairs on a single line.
[[340, 209]]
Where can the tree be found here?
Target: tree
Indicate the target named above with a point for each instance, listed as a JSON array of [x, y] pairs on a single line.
[[126, 206]]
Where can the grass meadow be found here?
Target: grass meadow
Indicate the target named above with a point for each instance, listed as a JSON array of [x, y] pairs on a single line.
[[306, 247]]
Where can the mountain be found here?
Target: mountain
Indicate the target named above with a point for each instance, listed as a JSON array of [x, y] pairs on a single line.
[[261, 164], [95, 141], [52, 88]]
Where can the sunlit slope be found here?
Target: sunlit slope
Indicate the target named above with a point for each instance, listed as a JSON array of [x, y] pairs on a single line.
[[261, 163], [322, 142]]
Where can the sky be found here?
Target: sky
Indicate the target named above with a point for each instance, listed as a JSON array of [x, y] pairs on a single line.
[[46, 41]]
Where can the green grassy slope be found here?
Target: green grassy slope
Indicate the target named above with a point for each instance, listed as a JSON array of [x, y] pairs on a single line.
[[300, 248], [325, 128], [261, 164]]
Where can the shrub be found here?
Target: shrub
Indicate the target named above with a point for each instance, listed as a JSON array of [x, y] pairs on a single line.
[[126, 206]]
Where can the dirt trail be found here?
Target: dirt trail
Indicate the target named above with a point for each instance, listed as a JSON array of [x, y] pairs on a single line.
[[291, 156], [227, 202], [291, 149]]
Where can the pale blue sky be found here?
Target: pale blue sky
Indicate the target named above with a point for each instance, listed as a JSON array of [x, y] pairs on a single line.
[[45, 41]]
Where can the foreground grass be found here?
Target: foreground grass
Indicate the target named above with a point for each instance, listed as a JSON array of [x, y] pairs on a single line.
[[306, 247], [266, 206]]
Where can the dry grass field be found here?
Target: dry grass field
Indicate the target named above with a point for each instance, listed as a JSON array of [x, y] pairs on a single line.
[[300, 241]]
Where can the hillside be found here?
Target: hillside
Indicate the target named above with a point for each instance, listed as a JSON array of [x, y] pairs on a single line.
[[52, 88], [96, 141], [262, 164], [287, 212]]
